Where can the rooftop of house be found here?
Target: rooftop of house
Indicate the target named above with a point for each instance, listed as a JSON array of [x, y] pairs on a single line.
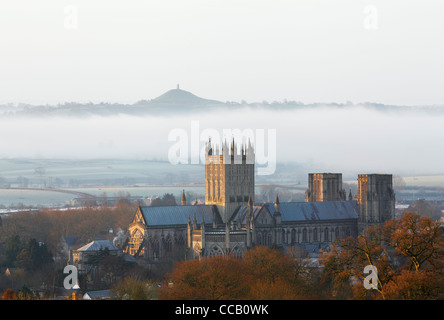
[[98, 245]]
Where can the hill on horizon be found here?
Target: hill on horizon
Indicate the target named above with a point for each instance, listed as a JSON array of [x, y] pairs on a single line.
[[178, 101], [181, 97]]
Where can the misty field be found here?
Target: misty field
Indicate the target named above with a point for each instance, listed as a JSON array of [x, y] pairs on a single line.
[[34, 182]]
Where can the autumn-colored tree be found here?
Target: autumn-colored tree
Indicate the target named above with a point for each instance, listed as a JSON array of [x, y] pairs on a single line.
[[279, 289], [9, 294], [26, 294], [267, 264], [49, 226], [403, 250], [415, 285], [262, 274], [132, 288], [212, 278], [417, 238], [347, 262], [273, 273]]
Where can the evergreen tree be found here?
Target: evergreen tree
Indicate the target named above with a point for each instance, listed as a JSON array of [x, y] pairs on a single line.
[[13, 247]]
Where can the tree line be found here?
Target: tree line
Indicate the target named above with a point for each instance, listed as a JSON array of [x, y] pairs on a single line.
[[32, 243], [407, 253]]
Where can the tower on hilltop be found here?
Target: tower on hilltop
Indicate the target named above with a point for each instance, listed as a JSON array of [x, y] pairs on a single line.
[[229, 176]]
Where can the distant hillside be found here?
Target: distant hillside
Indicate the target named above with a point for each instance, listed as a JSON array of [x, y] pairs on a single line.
[[182, 97], [178, 101]]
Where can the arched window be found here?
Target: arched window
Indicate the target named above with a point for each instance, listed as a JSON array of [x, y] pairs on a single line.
[[156, 248], [304, 235], [167, 244], [326, 237], [283, 236], [181, 241], [293, 236], [237, 252], [315, 234], [215, 251], [136, 241]]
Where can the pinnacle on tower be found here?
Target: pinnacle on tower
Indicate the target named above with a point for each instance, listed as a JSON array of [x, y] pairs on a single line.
[[277, 206], [184, 199], [202, 223], [233, 148]]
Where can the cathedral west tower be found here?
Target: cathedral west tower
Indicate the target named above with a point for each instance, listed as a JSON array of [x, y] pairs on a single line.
[[324, 187], [376, 199]]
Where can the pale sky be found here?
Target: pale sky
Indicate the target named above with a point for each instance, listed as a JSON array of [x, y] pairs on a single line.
[[391, 52], [230, 50]]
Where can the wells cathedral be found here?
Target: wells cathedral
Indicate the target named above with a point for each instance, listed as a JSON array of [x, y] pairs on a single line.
[[230, 221]]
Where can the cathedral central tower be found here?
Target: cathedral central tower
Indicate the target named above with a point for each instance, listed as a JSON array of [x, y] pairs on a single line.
[[229, 176]]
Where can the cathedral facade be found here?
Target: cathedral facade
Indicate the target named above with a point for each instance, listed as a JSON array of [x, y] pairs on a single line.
[[230, 221]]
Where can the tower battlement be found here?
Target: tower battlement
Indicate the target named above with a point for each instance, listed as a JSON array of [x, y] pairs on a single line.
[[229, 154]]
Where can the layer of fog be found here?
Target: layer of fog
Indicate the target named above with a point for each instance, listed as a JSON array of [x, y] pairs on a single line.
[[352, 140]]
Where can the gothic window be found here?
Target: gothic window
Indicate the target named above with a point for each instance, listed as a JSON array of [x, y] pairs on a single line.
[[293, 236], [167, 244], [326, 238], [237, 252], [304, 235], [197, 248], [136, 241], [181, 241], [259, 238], [315, 234], [269, 239], [215, 251], [336, 233], [283, 236], [156, 248]]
